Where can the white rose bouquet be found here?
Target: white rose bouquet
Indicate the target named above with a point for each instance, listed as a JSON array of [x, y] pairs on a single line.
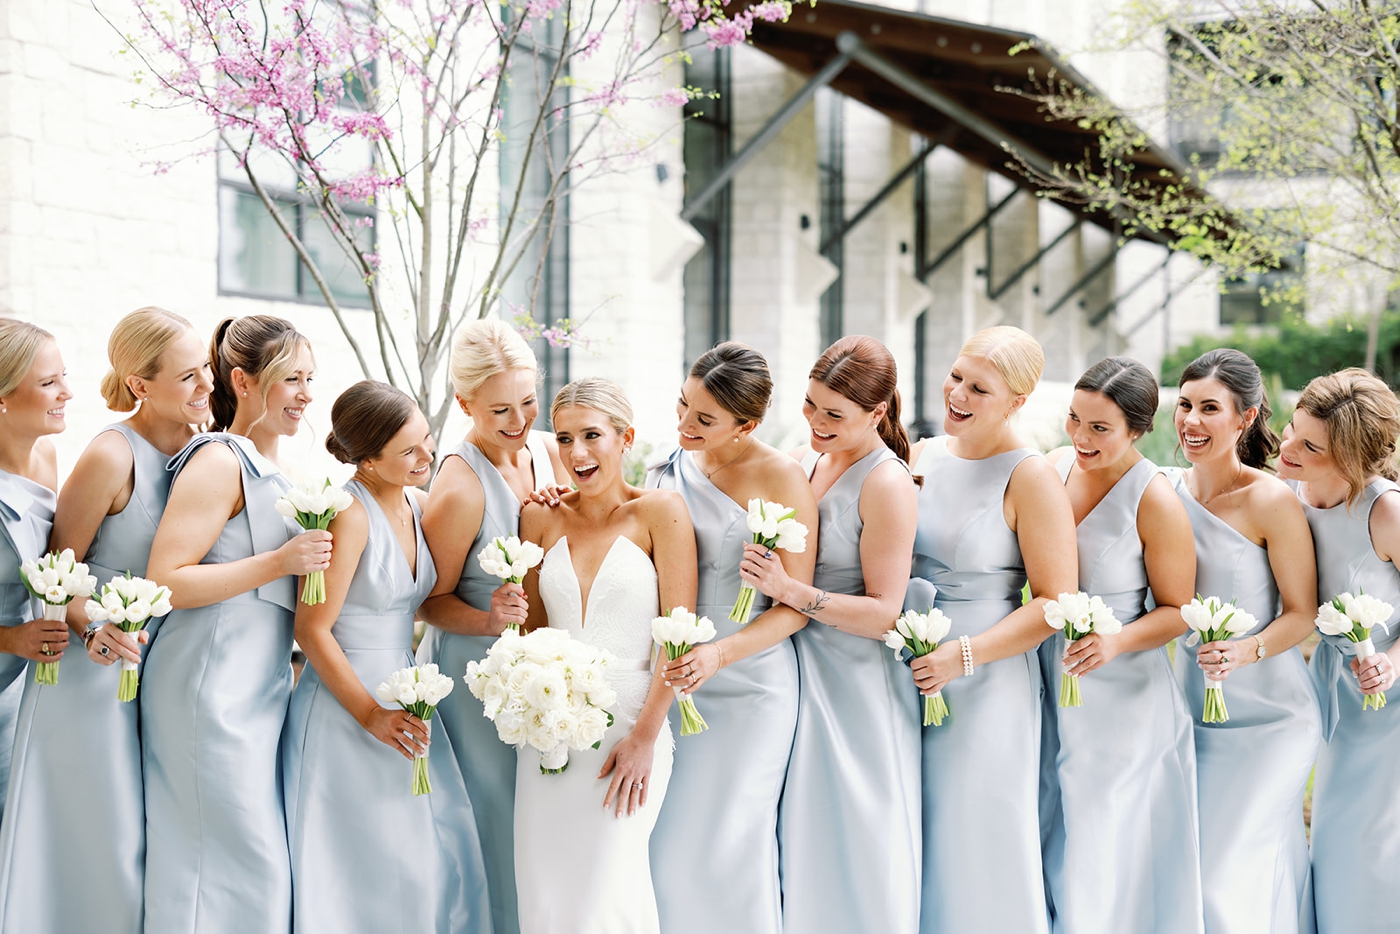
[[545, 690], [129, 603], [773, 526], [919, 634], [1211, 620], [313, 505], [57, 579], [509, 559], [1354, 617], [418, 690], [677, 633], [1077, 615]]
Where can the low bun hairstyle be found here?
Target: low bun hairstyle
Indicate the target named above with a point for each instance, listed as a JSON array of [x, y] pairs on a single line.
[[738, 378], [20, 342], [863, 370], [1127, 384], [483, 348], [598, 394], [135, 348], [1017, 356], [365, 418], [1363, 422], [260, 345], [1240, 375]]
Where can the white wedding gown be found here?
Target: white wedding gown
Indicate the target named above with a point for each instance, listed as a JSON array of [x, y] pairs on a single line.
[[580, 869]]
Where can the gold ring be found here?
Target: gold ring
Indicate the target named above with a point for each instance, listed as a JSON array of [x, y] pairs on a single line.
[[44, 649]]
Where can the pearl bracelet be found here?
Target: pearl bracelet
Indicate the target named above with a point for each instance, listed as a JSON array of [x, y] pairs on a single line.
[[966, 644]]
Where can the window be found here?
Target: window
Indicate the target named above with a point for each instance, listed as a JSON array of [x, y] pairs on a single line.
[[831, 173], [1263, 297], [706, 147]]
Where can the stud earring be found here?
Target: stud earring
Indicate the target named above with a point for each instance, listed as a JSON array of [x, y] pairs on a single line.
[[736, 439]]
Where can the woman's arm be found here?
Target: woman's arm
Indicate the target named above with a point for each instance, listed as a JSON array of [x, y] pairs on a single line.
[[535, 520], [100, 485], [1377, 673]]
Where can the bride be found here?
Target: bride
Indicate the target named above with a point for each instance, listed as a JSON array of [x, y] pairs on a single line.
[[614, 555]]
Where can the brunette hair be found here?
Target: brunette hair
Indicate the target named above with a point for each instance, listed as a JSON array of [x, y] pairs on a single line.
[[1363, 421], [1127, 384], [20, 342], [863, 370], [737, 376], [1240, 375], [1017, 356], [483, 348], [599, 394], [365, 418], [135, 348], [259, 345]]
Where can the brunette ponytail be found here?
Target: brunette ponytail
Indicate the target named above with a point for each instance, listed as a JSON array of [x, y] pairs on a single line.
[[863, 370]]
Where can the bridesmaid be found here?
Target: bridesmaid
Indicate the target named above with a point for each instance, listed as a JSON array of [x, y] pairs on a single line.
[[217, 681], [1339, 454], [1122, 853], [718, 831], [1253, 545], [992, 514], [57, 817], [32, 397], [849, 816], [476, 497], [347, 781]]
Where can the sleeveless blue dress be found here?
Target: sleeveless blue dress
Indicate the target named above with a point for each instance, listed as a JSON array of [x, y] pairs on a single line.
[[214, 698], [367, 855], [849, 816], [1121, 850], [487, 764], [1355, 811], [75, 795], [1251, 771], [718, 830], [981, 824]]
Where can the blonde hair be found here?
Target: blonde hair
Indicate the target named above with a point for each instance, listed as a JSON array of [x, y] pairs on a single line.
[[1363, 421], [1017, 356], [598, 394], [20, 342], [483, 348], [135, 349], [260, 345]]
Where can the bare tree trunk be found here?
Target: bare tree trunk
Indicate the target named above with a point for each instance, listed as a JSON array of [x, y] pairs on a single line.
[[1373, 334]]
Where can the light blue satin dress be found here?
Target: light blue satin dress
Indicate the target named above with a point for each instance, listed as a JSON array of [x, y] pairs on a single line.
[[488, 765], [981, 768], [214, 698], [718, 830], [848, 823], [1122, 852], [1251, 771], [58, 814], [367, 854], [1355, 808]]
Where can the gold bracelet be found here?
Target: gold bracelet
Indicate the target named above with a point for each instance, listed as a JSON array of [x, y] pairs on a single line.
[[719, 647]]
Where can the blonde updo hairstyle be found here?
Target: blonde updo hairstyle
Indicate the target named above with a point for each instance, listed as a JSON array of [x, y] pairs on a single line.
[[261, 346], [135, 349], [600, 395], [1363, 422], [1017, 356], [20, 343], [483, 348]]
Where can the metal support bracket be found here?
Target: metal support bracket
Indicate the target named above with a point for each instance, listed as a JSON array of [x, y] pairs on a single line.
[[1082, 281], [967, 234], [1123, 296], [889, 187], [1031, 263], [1176, 290]]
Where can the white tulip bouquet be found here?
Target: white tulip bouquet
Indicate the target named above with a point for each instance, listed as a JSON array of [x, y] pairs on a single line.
[[418, 690], [1354, 617], [678, 633], [509, 559], [1077, 615], [545, 690], [129, 603], [57, 579], [1211, 620], [313, 505], [773, 526], [919, 634]]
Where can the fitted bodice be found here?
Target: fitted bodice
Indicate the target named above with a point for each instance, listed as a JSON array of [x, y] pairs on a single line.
[[838, 567], [123, 541], [1111, 564], [1228, 565], [384, 594], [26, 518]]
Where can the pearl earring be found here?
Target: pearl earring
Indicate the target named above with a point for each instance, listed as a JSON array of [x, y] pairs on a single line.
[[736, 440]]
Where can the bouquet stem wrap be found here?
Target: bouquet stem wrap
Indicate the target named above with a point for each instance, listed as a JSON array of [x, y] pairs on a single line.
[[130, 679], [1214, 710], [1365, 648], [1069, 684], [555, 761], [935, 709], [421, 785], [691, 721], [47, 672]]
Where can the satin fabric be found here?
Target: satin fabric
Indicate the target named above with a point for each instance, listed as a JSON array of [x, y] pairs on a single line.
[[487, 764], [349, 795], [718, 831], [1121, 851], [1251, 771], [1355, 810], [214, 698], [981, 824], [76, 796], [849, 816]]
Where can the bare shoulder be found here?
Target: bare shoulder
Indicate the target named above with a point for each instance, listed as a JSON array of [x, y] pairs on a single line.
[[352, 520], [1385, 511], [798, 453], [1034, 473], [1269, 493], [212, 461], [1059, 454], [780, 469], [105, 462], [1160, 503], [456, 482], [889, 478], [663, 505]]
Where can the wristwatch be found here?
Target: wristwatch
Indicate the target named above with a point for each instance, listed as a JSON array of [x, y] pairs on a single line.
[[89, 634], [1261, 651]]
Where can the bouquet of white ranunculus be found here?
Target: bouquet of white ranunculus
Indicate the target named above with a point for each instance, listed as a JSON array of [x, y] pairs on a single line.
[[1077, 615], [545, 690], [58, 578], [509, 559], [678, 633], [418, 690], [1354, 617], [919, 634], [773, 526], [1211, 620], [313, 505], [128, 603]]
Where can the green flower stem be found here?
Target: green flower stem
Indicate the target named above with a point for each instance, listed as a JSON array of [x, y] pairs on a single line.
[[935, 709], [1215, 711], [742, 605], [421, 785], [314, 592]]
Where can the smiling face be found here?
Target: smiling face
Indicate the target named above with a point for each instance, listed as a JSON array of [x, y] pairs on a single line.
[[179, 392], [702, 423], [837, 423], [281, 409], [976, 397], [1304, 454], [1207, 422], [407, 459], [504, 407], [590, 446], [36, 407], [1098, 429]]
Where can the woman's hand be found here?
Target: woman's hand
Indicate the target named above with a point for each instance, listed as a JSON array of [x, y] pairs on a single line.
[[1218, 659], [29, 640], [111, 643], [508, 605], [934, 671], [1375, 674], [763, 569], [309, 551], [398, 729], [548, 495], [629, 762], [1087, 653], [693, 668]]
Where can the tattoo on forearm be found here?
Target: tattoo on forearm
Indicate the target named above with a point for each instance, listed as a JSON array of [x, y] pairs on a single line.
[[816, 604], [877, 596]]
